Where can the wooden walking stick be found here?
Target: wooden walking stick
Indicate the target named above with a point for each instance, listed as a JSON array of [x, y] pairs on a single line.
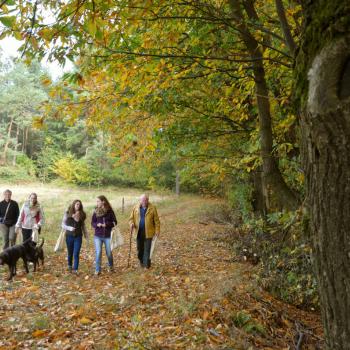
[[131, 229]]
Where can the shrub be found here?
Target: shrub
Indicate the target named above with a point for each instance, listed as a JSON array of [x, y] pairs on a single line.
[[239, 197], [26, 163], [285, 255], [15, 174], [76, 171]]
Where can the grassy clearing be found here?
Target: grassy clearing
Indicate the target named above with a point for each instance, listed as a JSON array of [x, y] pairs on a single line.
[[55, 200]]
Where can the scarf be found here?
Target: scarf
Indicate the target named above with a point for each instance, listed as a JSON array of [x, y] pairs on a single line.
[[34, 209], [100, 212]]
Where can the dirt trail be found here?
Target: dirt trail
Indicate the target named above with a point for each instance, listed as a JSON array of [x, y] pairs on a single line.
[[194, 297]]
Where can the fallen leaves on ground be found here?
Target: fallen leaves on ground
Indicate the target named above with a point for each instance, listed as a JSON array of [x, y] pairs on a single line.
[[194, 297]]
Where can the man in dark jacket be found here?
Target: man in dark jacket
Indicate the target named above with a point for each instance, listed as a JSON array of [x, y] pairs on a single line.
[[9, 212]]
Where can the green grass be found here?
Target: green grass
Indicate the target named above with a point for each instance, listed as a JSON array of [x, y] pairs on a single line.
[[40, 322]]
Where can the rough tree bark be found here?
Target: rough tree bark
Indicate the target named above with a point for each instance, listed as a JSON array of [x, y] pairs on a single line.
[[259, 200], [325, 59]]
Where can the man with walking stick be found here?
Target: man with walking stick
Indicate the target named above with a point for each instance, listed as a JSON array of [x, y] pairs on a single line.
[[144, 221]]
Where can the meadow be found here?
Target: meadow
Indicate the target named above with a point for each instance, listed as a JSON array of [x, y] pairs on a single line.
[[55, 199]]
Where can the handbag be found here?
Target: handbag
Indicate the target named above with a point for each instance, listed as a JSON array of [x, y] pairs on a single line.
[[60, 242], [153, 246], [117, 239], [19, 235], [3, 219], [35, 235]]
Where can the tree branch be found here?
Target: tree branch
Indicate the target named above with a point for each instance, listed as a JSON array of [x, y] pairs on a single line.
[[285, 26]]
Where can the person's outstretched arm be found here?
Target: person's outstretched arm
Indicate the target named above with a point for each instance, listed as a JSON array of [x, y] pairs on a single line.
[[64, 223], [94, 220], [20, 217], [132, 219]]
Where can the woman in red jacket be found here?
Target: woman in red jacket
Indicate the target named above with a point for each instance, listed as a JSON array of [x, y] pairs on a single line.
[[31, 217]]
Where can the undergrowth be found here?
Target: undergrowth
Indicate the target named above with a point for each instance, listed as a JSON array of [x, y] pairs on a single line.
[[280, 247]]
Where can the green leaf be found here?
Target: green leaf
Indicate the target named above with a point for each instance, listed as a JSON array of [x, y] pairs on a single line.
[[255, 327], [17, 35], [99, 34], [91, 25], [241, 318], [8, 21]]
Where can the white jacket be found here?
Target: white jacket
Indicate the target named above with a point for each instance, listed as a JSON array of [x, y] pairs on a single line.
[[30, 217]]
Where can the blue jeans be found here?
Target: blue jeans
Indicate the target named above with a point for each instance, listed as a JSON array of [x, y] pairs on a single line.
[[98, 249], [73, 248]]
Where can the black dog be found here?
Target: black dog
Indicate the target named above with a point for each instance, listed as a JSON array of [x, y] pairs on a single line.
[[40, 252], [11, 255], [36, 253]]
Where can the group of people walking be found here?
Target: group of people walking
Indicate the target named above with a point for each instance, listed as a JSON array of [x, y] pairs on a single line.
[[143, 220], [31, 216]]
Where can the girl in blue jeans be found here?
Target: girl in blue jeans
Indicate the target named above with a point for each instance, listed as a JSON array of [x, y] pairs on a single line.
[[74, 224], [103, 220]]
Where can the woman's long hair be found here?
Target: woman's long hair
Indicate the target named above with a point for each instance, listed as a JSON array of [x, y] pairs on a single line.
[[71, 209], [105, 202]]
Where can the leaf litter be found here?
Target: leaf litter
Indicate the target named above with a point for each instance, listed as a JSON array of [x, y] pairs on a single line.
[[195, 296]]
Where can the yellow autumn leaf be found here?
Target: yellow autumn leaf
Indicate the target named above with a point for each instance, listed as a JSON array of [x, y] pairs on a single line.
[[39, 333], [85, 320]]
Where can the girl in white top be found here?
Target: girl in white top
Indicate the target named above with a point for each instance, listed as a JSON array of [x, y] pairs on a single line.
[[30, 217]]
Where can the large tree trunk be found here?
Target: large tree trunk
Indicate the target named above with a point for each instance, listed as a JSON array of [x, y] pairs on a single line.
[[276, 186], [281, 196], [326, 156], [259, 200]]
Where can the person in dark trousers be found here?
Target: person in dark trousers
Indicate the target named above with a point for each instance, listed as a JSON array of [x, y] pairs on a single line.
[[103, 220], [9, 212], [144, 220], [74, 224], [31, 217]]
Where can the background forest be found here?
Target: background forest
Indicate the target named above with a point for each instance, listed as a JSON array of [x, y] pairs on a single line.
[[58, 150]]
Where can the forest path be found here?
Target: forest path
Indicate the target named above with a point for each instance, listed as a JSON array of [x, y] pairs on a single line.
[[194, 297]]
